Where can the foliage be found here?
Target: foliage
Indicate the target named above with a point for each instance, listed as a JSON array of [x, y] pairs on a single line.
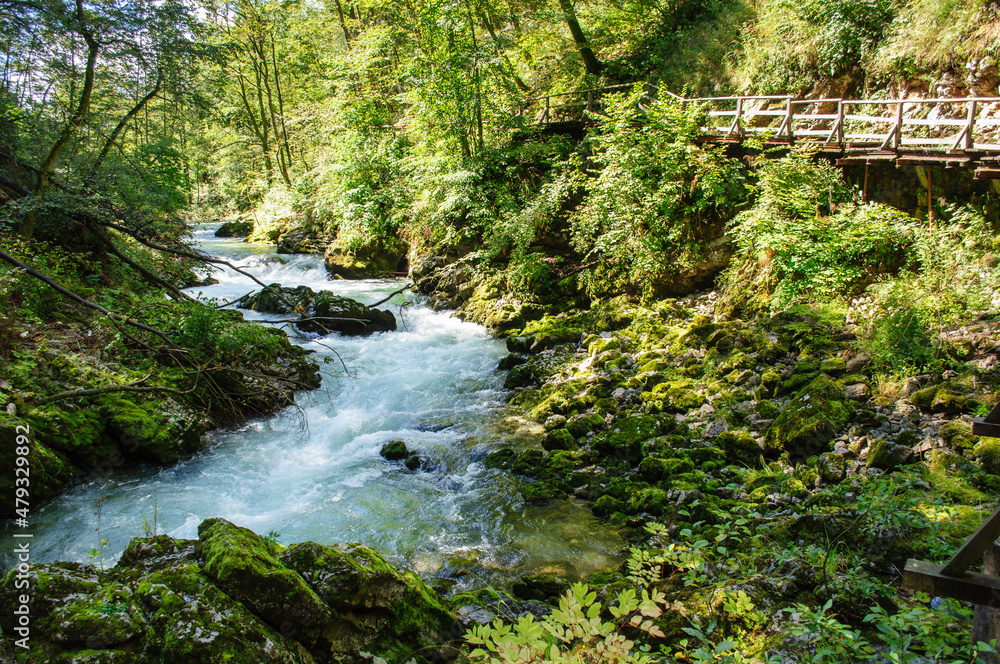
[[937, 34], [950, 272], [654, 195], [793, 45], [806, 238], [573, 633]]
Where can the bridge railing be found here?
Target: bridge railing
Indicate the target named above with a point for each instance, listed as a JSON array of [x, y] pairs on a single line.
[[570, 106], [949, 124]]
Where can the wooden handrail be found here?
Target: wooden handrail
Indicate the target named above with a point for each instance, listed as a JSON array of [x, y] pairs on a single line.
[[783, 118]]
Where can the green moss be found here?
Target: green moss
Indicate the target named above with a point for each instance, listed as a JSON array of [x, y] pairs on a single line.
[[581, 425], [49, 471], [653, 469], [607, 505], [559, 439], [245, 566], [624, 439], [540, 492], [770, 379], [987, 452], [673, 397], [810, 420], [740, 448]]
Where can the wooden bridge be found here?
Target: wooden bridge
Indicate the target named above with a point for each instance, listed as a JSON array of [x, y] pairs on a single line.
[[952, 132]]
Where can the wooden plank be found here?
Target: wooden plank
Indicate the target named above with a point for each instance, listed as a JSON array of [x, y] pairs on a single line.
[[870, 118], [926, 577], [974, 547], [986, 174], [928, 141], [934, 122], [979, 426]]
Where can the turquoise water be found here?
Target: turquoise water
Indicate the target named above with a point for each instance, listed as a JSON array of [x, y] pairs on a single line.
[[313, 471]]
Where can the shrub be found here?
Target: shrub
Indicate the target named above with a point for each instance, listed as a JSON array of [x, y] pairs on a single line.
[[807, 238], [655, 192]]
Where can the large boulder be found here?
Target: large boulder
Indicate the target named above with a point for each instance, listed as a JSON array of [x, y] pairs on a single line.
[[808, 422], [381, 259], [235, 229], [301, 241], [333, 313], [230, 596], [322, 312], [278, 299], [374, 606]]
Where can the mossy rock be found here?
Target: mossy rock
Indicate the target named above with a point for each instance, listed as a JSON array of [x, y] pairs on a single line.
[[234, 229], [740, 449], [607, 505], [245, 566], [987, 452], [581, 425], [540, 492], [394, 450], [523, 375], [887, 456], [832, 468], [624, 438], [950, 402], [334, 313], [958, 435], [654, 469], [50, 472], [770, 379], [375, 606], [161, 431], [652, 500], [673, 397], [605, 406], [810, 420], [833, 366], [375, 259], [502, 458], [559, 439]]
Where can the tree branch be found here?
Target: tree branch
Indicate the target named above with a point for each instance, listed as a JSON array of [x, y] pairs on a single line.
[[137, 386], [85, 303]]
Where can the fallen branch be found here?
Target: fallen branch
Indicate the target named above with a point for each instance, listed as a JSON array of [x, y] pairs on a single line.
[[391, 295], [83, 302], [204, 258], [137, 386]]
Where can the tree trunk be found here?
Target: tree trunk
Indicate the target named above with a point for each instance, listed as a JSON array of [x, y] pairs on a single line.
[[45, 171], [343, 25], [590, 60], [122, 124]]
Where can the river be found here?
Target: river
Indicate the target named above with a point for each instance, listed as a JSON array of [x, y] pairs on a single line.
[[313, 472]]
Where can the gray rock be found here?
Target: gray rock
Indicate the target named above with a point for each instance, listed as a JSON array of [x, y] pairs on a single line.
[[857, 392]]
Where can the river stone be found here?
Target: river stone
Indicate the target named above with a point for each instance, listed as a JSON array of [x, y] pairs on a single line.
[[301, 241], [380, 259], [245, 566], [235, 229], [333, 313], [278, 299], [394, 450], [321, 312], [374, 605], [810, 420]]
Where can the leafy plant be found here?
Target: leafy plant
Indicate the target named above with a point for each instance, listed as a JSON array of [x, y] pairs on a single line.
[[573, 633]]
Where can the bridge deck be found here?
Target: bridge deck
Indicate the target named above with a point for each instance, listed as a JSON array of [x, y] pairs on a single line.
[[950, 131]]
